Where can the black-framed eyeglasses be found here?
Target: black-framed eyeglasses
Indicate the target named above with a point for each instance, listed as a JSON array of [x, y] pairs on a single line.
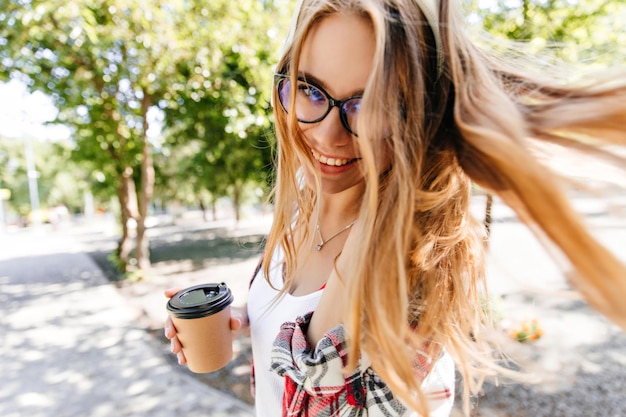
[[313, 103]]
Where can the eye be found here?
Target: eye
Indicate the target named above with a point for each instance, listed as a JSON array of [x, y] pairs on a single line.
[[311, 92], [352, 107]]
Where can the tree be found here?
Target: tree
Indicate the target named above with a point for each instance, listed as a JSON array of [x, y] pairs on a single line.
[[222, 112], [107, 63], [85, 56], [577, 31]]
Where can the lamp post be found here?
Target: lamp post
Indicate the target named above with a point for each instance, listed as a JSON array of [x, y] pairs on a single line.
[[2, 219], [32, 181]]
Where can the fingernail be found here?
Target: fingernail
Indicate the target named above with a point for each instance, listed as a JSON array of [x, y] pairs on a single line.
[[180, 358], [167, 332]]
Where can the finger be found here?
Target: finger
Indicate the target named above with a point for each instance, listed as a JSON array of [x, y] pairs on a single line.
[[178, 350], [175, 345], [170, 292], [235, 323], [169, 330]]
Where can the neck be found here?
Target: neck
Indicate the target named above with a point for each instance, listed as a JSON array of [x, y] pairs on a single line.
[[337, 210]]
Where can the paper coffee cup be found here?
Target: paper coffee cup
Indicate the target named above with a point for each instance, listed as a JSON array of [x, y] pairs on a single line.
[[201, 315]]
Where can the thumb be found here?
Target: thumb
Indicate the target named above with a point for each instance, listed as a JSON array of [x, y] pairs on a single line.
[[235, 323], [170, 292]]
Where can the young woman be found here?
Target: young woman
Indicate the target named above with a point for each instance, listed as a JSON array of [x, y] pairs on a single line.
[[370, 285]]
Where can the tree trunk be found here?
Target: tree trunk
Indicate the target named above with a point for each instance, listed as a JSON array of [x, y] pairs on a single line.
[[214, 208], [205, 216], [142, 252], [128, 210], [237, 201]]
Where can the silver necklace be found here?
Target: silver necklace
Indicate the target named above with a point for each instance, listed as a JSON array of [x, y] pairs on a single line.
[[320, 245]]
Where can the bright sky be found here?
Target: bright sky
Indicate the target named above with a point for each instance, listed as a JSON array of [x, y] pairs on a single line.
[[24, 114]]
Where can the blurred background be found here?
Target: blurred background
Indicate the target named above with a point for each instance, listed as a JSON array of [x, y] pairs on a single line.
[[139, 109]]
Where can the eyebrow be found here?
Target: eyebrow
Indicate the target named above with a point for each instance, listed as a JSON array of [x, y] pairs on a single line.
[[313, 79]]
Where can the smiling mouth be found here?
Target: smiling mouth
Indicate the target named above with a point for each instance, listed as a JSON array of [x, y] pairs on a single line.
[[334, 162]]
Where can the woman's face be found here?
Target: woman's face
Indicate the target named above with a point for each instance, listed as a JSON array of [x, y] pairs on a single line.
[[338, 56]]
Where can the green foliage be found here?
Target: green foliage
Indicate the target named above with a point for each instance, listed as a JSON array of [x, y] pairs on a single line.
[[123, 273], [206, 65], [582, 31], [218, 117]]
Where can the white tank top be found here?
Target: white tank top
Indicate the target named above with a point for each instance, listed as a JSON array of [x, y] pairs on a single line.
[[266, 315]]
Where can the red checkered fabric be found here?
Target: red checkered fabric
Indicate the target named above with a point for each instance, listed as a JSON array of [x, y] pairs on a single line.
[[316, 386]]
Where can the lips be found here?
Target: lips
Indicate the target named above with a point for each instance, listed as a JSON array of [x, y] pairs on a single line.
[[334, 162]]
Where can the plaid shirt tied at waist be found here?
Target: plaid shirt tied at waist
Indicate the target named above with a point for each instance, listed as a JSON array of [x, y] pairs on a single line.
[[316, 386]]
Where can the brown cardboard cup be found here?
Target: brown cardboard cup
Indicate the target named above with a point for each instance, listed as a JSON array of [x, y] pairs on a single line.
[[201, 315]]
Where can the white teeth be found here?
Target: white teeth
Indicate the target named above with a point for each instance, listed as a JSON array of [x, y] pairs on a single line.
[[329, 161]]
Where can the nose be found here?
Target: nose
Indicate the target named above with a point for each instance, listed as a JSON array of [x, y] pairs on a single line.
[[330, 132]]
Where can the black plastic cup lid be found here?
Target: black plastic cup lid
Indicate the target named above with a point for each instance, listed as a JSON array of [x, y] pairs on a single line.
[[200, 301]]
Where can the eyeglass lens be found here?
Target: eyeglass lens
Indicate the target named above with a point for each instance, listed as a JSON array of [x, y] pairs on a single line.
[[313, 104]]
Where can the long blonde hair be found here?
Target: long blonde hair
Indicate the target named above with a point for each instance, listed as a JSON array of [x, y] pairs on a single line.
[[419, 269]]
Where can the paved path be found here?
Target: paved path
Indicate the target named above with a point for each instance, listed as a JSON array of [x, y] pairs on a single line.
[[71, 346]]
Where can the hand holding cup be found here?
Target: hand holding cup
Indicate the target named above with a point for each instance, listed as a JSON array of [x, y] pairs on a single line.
[[199, 326]]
